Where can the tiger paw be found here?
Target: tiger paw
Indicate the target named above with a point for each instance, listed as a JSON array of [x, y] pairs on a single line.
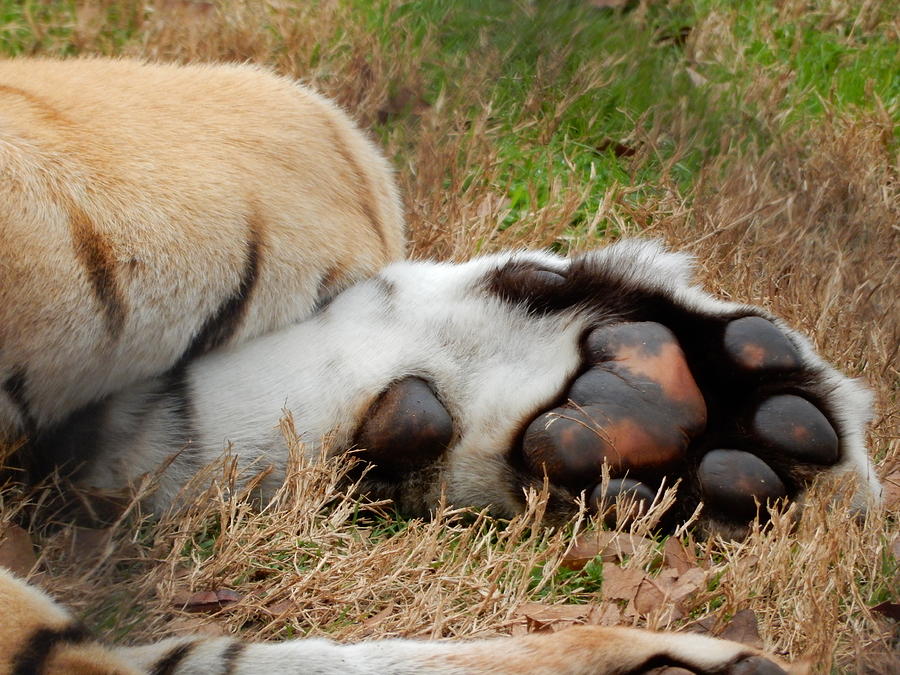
[[522, 371], [715, 396], [638, 409]]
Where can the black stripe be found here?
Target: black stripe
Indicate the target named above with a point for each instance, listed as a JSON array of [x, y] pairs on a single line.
[[224, 322], [68, 444], [744, 662], [359, 183], [99, 261], [16, 388], [177, 395], [168, 663], [230, 656], [31, 658]]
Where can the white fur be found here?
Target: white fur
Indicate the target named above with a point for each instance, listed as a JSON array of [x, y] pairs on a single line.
[[492, 363], [583, 651]]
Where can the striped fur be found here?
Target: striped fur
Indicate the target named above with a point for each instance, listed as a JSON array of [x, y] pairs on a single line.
[[151, 213], [45, 639]]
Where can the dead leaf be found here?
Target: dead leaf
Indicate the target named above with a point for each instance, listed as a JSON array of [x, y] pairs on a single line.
[[687, 585], [674, 37], [539, 617], [696, 78], [87, 543], [607, 614], [743, 628], [889, 609], [705, 626], [280, 608], [608, 4], [610, 546], [667, 577], [619, 149], [648, 597], [205, 601], [620, 584], [668, 670], [195, 8], [892, 491], [194, 625], [583, 549], [379, 616], [651, 598], [677, 556], [16, 550]]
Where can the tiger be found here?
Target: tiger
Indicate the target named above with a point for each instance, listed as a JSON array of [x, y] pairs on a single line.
[[190, 252]]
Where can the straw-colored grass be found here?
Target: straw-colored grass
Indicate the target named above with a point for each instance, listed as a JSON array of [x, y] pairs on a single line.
[[733, 138]]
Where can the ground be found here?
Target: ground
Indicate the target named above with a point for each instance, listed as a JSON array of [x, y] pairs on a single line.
[[760, 136]]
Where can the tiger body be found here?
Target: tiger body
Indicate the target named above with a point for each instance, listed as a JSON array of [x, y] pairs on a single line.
[[188, 251], [197, 207]]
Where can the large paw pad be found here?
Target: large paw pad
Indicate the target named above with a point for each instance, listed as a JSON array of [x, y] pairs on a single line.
[[638, 409]]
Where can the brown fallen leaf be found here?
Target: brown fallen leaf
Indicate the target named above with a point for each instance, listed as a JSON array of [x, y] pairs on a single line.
[[379, 616], [619, 149], [89, 543], [280, 608], [194, 625], [704, 626], [658, 599], [620, 584], [677, 556], [649, 597], [537, 617], [743, 628], [667, 576], [892, 491], [585, 548], [609, 546], [550, 613], [607, 614], [608, 4], [675, 37], [889, 609], [195, 8], [696, 78], [16, 550], [205, 601], [687, 585]]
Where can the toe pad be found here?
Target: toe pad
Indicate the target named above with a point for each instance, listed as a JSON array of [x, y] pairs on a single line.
[[754, 344], [733, 481], [406, 428], [795, 427]]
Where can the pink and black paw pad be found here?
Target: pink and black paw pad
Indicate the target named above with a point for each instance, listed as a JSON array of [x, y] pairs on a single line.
[[731, 420]]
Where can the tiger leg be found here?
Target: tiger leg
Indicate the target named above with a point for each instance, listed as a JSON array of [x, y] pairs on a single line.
[[45, 638], [583, 650], [477, 381]]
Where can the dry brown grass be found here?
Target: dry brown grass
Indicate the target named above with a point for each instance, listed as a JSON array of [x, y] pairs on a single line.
[[806, 226]]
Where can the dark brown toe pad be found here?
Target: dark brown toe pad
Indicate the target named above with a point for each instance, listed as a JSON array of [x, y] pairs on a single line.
[[795, 427], [732, 482], [637, 498], [755, 665], [405, 429], [755, 345], [636, 408]]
